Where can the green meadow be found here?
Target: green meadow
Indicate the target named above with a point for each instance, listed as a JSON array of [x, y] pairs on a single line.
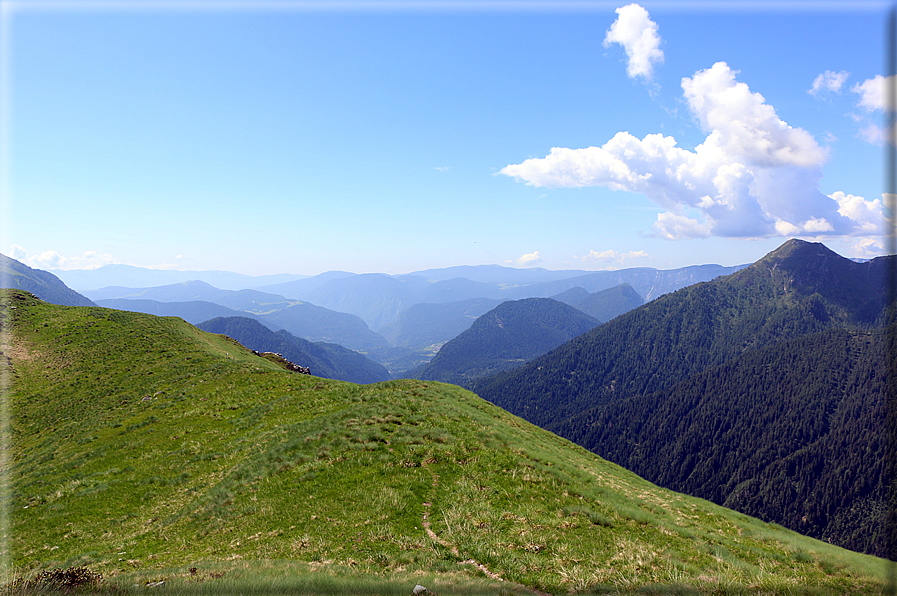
[[149, 451]]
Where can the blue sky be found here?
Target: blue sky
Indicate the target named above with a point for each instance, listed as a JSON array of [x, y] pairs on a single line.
[[393, 137]]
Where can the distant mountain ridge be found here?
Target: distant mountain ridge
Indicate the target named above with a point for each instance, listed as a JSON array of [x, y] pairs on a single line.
[[427, 323], [130, 276], [43, 284], [604, 305], [379, 298]]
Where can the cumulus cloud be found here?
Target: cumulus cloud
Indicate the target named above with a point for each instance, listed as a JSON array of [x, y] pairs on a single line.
[[867, 215], [863, 248], [828, 81], [528, 259], [612, 257], [753, 176], [872, 92], [873, 99], [674, 226], [50, 259], [637, 33]]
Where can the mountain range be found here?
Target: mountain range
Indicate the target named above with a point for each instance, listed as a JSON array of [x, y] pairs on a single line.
[[516, 331], [379, 298], [735, 388], [762, 390]]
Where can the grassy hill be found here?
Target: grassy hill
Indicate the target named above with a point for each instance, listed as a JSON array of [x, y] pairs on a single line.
[[149, 450]]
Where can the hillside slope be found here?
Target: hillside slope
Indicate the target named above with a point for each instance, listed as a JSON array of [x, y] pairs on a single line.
[[16, 275], [330, 361], [142, 444]]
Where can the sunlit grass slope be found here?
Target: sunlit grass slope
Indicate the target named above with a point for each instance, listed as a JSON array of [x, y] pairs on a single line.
[[143, 447]]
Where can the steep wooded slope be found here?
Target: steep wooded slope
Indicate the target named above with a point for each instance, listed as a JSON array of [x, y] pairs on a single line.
[[799, 289], [643, 375], [794, 433]]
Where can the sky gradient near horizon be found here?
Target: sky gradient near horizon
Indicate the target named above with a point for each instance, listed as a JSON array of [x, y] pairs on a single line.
[[301, 137]]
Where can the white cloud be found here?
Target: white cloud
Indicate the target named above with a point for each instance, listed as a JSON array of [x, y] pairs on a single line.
[[674, 226], [753, 176], [612, 256], [873, 97], [872, 92], [529, 259], [868, 215], [441, 168], [50, 259], [637, 33], [828, 81], [863, 248]]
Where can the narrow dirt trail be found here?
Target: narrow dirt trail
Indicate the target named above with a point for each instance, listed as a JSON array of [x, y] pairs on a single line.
[[425, 522]]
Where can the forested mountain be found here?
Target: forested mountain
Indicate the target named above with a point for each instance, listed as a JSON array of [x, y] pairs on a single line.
[[599, 388], [604, 305], [44, 285], [794, 433], [506, 337], [326, 360], [427, 323]]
